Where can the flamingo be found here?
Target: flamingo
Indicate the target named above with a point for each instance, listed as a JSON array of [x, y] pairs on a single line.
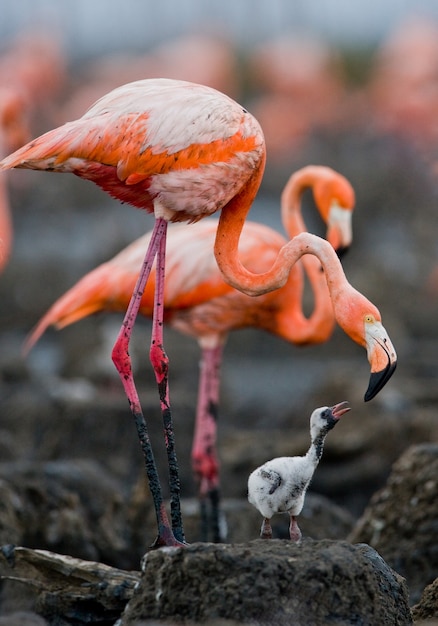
[[31, 72], [300, 87], [108, 287], [14, 130], [280, 485], [182, 151]]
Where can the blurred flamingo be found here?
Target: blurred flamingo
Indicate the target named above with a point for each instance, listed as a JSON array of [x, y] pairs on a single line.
[[14, 131], [182, 151], [34, 64], [31, 74], [199, 303], [204, 59], [402, 90], [300, 89]]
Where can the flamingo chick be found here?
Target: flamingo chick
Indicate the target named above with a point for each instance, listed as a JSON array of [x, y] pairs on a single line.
[[280, 485]]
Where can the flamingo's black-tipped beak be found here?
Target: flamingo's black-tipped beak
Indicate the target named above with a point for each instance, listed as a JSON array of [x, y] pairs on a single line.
[[378, 380], [381, 355], [342, 251]]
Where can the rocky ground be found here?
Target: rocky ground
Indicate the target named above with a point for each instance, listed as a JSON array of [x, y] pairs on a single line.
[[71, 474]]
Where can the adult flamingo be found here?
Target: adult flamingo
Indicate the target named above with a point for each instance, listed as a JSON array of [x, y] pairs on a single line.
[[181, 151], [192, 274]]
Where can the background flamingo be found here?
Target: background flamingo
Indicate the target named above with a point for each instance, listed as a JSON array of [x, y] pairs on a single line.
[[299, 88], [31, 76], [192, 274], [13, 131]]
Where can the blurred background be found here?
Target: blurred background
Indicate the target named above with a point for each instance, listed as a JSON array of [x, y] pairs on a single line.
[[332, 82]]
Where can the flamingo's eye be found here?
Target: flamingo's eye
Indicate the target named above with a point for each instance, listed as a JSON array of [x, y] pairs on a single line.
[[369, 319]]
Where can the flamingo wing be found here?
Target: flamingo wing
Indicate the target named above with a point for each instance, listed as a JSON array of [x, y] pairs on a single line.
[[272, 477], [192, 275], [183, 144]]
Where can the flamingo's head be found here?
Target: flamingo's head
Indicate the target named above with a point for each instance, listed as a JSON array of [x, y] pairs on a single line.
[[381, 356], [335, 199], [361, 320], [325, 418]]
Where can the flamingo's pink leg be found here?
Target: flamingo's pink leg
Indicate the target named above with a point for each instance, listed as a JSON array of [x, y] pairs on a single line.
[[294, 531], [266, 529], [160, 363], [122, 361], [205, 463]]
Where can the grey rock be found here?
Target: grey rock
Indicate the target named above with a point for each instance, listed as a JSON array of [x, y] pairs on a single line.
[[401, 521], [270, 582], [427, 607]]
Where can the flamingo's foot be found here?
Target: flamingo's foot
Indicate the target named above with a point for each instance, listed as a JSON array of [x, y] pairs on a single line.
[[166, 538], [294, 531], [266, 530]]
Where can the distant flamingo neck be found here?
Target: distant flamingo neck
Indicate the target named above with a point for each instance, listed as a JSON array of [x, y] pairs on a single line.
[[319, 326], [5, 222], [291, 214]]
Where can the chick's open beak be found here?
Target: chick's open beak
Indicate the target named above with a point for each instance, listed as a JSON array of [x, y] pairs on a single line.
[[339, 409]]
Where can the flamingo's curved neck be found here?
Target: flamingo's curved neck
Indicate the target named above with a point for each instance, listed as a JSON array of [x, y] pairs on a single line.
[[319, 325], [226, 251], [291, 214]]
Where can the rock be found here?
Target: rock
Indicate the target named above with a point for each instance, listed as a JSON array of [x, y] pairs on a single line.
[[22, 618], [427, 607], [401, 521], [269, 582], [66, 590], [11, 514], [72, 507]]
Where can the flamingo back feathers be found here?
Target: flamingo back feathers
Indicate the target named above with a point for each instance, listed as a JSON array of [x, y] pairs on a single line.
[[187, 145]]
